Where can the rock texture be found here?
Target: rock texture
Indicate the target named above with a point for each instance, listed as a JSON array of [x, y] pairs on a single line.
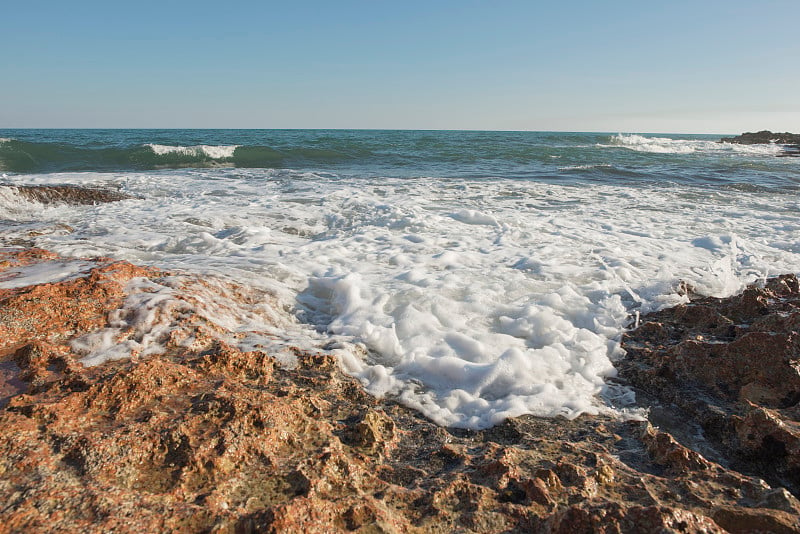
[[67, 194], [207, 438], [732, 367], [790, 141]]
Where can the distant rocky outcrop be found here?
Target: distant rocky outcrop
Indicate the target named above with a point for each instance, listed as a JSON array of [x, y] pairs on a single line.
[[205, 437], [790, 141]]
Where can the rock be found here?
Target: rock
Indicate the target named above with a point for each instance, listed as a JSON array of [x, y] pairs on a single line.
[[763, 137], [733, 366], [790, 141], [600, 518], [66, 194], [205, 437], [666, 451], [734, 519], [55, 312], [375, 432]]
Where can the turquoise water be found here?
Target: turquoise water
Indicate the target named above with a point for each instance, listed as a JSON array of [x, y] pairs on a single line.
[[542, 156]]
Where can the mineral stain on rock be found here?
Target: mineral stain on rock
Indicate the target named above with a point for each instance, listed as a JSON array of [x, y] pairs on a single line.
[[205, 437]]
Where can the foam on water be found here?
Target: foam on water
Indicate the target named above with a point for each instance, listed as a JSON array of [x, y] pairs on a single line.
[[585, 167], [470, 300], [11, 203], [664, 145], [43, 273], [175, 308], [24, 219]]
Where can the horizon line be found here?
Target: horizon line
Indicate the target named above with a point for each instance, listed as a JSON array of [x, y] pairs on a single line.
[[617, 131]]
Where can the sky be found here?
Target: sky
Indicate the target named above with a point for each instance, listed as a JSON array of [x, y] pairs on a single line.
[[612, 66]]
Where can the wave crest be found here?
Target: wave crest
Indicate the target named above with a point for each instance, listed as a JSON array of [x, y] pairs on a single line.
[[666, 145], [222, 152], [26, 156]]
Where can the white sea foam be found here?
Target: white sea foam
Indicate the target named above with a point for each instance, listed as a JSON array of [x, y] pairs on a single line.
[[664, 145], [211, 151], [474, 217], [11, 202], [469, 300], [43, 273], [585, 167], [15, 207], [174, 309]]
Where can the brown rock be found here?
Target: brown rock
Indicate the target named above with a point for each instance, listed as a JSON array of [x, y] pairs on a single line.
[[207, 438], [68, 194], [376, 432], [666, 451], [735, 519], [733, 367]]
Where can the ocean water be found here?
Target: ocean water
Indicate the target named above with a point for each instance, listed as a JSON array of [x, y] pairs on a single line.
[[473, 276]]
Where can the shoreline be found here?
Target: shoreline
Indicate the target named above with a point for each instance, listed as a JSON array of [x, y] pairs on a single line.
[[206, 437]]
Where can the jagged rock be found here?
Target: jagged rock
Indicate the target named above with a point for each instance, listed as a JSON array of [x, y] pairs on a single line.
[[67, 194], [733, 366], [763, 137], [666, 451], [375, 432], [205, 437]]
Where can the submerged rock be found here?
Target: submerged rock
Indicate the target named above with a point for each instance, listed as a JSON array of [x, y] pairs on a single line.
[[67, 194], [205, 437]]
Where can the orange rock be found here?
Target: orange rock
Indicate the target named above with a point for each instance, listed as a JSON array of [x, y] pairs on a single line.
[[204, 437]]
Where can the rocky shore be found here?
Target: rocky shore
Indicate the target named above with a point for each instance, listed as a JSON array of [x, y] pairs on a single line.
[[207, 438], [790, 141]]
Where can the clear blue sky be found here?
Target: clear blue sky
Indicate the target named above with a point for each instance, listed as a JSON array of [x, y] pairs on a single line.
[[669, 66]]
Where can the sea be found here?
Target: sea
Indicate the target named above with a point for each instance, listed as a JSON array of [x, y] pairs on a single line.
[[470, 275]]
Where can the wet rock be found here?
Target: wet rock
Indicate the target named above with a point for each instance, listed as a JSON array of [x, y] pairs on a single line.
[[764, 137], [205, 437], [733, 366], [67, 194], [790, 141], [16, 257]]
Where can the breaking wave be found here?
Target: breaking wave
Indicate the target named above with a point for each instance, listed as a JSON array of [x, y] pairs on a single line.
[[26, 157], [200, 151], [542, 156], [666, 145]]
